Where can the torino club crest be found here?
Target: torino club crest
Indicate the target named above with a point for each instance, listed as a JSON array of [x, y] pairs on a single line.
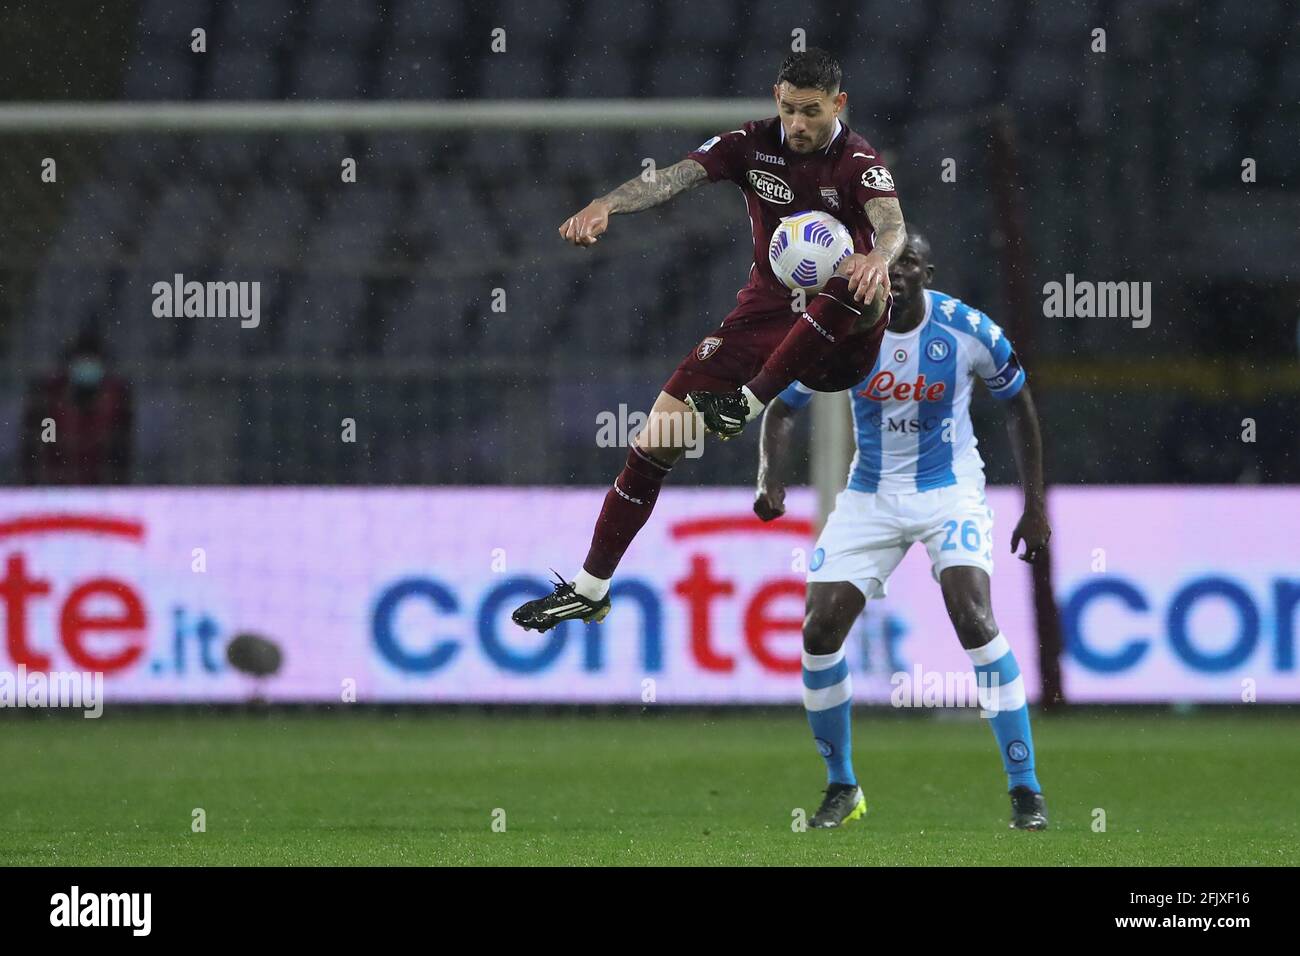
[[708, 347]]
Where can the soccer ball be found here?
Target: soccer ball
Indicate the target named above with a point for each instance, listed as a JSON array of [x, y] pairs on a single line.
[[806, 248]]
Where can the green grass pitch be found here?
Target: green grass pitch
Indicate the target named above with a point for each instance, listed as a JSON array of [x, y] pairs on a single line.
[[304, 788]]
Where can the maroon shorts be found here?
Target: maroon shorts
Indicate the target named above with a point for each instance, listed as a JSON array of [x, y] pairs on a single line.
[[734, 353]]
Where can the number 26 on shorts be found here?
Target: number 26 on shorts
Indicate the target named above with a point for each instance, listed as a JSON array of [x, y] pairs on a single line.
[[970, 536]]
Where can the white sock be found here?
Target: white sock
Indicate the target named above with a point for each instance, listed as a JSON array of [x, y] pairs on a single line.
[[590, 586], [755, 406]]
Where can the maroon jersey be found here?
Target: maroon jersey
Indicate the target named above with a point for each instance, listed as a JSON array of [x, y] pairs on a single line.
[[779, 182], [92, 435]]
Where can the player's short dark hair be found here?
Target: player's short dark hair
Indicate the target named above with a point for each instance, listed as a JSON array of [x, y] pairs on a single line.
[[812, 69]]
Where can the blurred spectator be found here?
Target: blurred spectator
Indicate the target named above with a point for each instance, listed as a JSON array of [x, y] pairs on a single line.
[[87, 412]]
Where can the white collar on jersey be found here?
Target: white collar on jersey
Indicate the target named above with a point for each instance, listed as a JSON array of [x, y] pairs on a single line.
[[839, 128]]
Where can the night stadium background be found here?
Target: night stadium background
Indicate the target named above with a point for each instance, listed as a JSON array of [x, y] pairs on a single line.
[[291, 549]]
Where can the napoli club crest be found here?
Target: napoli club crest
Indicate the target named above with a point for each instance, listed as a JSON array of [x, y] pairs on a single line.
[[823, 746], [937, 350], [708, 347], [1017, 751]]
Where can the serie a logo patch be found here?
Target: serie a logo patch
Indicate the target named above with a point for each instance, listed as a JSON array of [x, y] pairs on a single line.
[[708, 347]]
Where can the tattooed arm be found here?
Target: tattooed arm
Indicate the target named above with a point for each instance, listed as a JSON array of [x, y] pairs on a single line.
[[634, 195], [867, 272], [891, 234]]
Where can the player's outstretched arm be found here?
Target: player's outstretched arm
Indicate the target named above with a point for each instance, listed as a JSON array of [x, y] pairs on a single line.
[[773, 453], [583, 228], [1027, 446], [872, 270]]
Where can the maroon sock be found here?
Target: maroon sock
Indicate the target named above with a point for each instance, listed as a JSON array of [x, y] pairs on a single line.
[[627, 507], [814, 336]]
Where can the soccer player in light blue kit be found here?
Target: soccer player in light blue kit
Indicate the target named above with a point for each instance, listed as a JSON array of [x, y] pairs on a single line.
[[917, 476]]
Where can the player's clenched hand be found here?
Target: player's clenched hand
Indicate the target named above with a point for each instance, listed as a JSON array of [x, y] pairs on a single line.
[[1034, 530], [583, 228], [865, 274], [769, 502]]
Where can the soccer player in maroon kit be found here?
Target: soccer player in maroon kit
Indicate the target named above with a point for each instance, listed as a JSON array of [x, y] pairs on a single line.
[[803, 159]]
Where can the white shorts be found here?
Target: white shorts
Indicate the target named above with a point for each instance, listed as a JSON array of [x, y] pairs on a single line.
[[867, 534]]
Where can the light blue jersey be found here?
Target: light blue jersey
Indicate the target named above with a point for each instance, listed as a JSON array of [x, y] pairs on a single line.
[[912, 412]]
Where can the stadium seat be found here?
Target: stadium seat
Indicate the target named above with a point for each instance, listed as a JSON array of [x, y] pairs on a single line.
[[420, 23], [1287, 87], [169, 22], [532, 25], [425, 322], [887, 22], [268, 227], [699, 25], [1228, 78], [1274, 149], [614, 26], [665, 147], [144, 157], [397, 154], [531, 212], [342, 24], [524, 329], [497, 152], [161, 74], [414, 72], [101, 217], [955, 79], [1037, 81], [323, 312], [1256, 24], [255, 24], [182, 223], [295, 157], [327, 76], [1215, 145], [752, 73], [698, 74], [880, 82], [769, 26], [615, 305], [1068, 23], [228, 156], [243, 76], [597, 73], [515, 76], [986, 23], [587, 153], [448, 212]]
